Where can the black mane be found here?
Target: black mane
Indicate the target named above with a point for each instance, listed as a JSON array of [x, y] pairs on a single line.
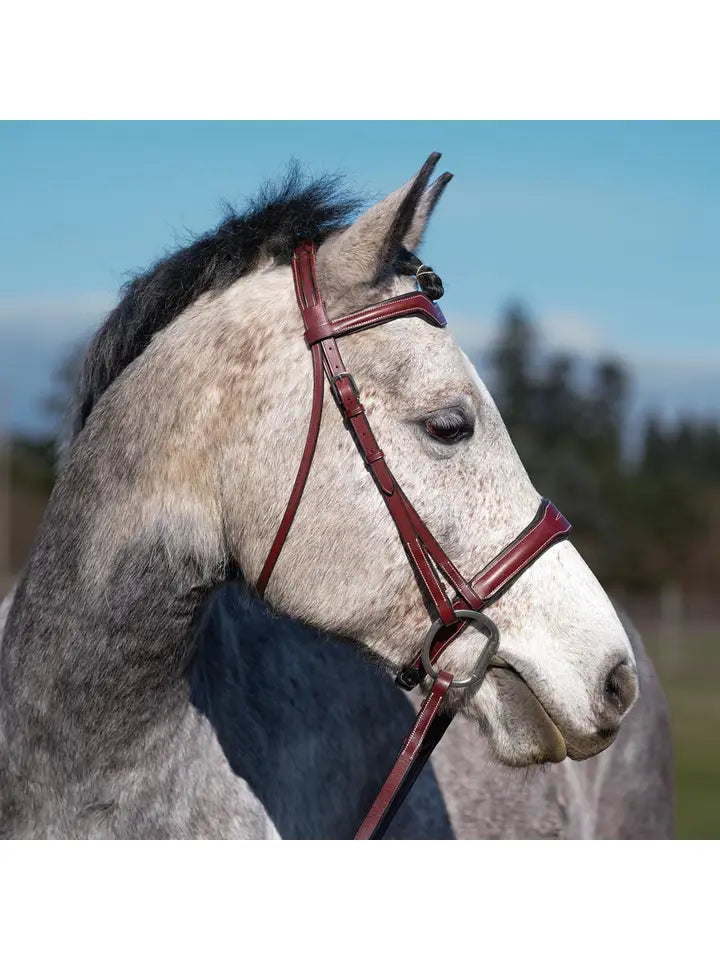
[[271, 225]]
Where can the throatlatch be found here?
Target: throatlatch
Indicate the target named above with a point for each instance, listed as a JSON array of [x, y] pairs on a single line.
[[424, 553]]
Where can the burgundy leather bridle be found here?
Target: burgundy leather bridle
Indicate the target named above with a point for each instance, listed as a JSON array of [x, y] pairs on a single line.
[[423, 551]]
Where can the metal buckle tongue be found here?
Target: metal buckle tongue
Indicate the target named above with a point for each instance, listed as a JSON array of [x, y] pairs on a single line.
[[486, 626]]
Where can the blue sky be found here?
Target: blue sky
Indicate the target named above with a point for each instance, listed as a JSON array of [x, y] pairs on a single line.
[[608, 231]]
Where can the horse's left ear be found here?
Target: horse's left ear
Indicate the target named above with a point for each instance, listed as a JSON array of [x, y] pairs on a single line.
[[423, 211], [367, 250]]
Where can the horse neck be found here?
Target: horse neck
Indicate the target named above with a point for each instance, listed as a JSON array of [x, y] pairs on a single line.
[[95, 655], [305, 720]]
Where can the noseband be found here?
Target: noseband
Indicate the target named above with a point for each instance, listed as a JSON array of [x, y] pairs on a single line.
[[423, 552]]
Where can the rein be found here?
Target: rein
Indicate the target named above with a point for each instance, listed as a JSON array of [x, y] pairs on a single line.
[[424, 553]]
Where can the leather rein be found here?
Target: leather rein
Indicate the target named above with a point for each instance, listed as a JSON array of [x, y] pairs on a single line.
[[423, 552]]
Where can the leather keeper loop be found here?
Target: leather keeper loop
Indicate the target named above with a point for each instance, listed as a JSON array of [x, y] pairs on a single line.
[[317, 326]]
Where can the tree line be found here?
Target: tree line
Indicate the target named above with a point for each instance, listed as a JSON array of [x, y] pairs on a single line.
[[642, 520]]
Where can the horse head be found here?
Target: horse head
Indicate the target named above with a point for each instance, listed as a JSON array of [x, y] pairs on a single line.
[[208, 421]]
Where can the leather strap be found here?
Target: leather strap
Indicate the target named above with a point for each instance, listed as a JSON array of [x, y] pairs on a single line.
[[423, 551], [548, 527], [406, 305], [423, 738], [302, 474], [419, 543], [320, 335]]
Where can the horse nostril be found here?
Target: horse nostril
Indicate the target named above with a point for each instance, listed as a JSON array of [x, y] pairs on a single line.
[[621, 688], [612, 688]]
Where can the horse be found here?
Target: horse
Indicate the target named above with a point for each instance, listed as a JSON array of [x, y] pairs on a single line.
[[146, 689]]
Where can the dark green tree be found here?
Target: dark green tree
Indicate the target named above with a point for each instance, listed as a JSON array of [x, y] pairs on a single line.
[[512, 360]]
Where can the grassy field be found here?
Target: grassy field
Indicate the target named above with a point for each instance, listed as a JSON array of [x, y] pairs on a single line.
[[688, 662]]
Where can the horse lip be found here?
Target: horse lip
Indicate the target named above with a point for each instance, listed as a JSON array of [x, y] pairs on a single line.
[[576, 750], [500, 663]]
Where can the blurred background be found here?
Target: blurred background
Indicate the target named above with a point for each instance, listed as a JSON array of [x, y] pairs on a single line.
[[580, 263]]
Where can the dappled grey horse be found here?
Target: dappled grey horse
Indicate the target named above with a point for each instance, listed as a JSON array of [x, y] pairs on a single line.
[[146, 691]]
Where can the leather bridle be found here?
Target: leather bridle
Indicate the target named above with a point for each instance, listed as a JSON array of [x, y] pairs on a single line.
[[424, 553]]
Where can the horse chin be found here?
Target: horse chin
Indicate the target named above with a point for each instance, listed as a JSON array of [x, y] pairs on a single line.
[[520, 731]]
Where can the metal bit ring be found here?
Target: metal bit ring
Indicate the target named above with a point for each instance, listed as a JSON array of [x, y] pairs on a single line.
[[486, 626]]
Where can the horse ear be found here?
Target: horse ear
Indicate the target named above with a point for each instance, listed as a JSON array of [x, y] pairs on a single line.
[[423, 212], [366, 251]]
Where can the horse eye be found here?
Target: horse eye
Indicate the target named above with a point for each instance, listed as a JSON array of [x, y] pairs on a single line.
[[450, 426]]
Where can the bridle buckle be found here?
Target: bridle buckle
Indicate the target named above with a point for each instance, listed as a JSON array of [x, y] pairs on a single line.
[[336, 393]]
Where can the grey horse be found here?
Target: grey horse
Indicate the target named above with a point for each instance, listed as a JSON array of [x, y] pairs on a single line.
[[145, 691]]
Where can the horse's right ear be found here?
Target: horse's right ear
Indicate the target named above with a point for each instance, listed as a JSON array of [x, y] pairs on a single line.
[[366, 251]]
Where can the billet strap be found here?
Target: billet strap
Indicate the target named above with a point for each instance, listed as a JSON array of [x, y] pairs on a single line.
[[425, 735]]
